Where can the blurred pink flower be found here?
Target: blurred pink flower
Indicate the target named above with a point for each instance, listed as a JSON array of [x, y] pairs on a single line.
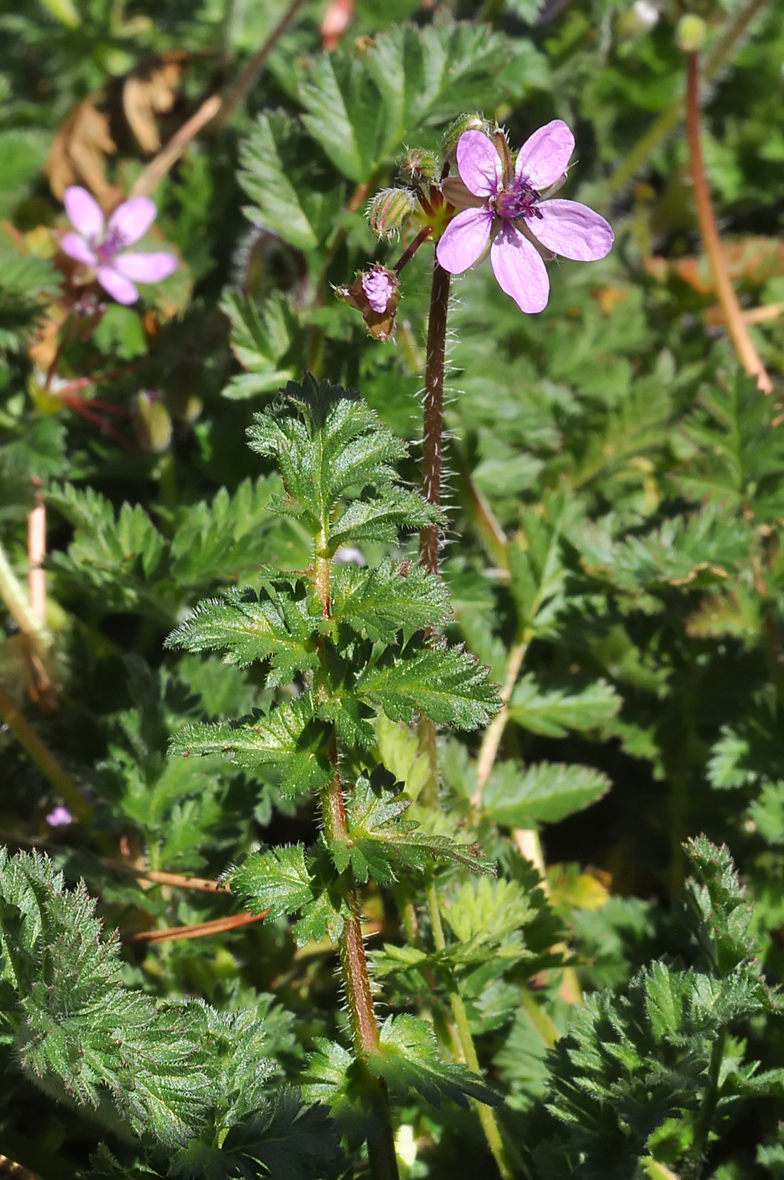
[[59, 817], [505, 209], [99, 245]]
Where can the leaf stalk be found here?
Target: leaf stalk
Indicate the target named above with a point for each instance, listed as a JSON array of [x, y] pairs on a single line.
[[711, 239]]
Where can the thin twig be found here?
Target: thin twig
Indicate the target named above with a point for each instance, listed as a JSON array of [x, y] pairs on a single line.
[[36, 554], [254, 67], [19, 607], [19, 1171], [177, 880], [199, 930], [491, 739], [156, 170], [711, 239]]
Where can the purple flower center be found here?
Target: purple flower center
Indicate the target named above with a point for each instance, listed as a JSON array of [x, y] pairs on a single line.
[[519, 201], [112, 243]]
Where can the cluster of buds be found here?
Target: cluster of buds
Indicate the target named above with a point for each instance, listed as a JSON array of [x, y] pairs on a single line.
[[419, 202]]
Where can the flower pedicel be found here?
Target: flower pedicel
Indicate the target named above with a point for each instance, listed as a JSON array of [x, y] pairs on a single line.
[[100, 245], [504, 208]]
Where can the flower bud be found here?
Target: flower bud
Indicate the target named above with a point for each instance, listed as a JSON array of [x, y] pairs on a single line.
[[691, 32], [418, 165], [462, 123], [152, 422], [389, 211], [640, 18], [375, 293]]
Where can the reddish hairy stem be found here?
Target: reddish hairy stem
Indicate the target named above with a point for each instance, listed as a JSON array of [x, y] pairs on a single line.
[[411, 249], [434, 410], [353, 960], [711, 240]]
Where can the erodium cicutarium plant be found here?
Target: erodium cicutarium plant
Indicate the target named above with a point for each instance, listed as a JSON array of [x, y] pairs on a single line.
[[249, 693]]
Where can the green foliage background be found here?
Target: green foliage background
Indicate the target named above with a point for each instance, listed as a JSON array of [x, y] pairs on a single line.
[[614, 501]]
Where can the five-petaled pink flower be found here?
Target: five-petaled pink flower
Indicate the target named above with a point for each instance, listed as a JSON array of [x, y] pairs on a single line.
[[100, 245], [505, 209]]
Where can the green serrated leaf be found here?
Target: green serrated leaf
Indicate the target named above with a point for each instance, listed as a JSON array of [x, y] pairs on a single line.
[[379, 842], [553, 713], [407, 1059], [291, 200], [379, 602], [249, 628], [523, 798], [277, 881], [289, 739], [261, 338], [446, 683]]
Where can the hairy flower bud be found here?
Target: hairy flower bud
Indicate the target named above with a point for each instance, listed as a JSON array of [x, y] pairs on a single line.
[[375, 293], [418, 165], [152, 422], [462, 123], [691, 32], [389, 211]]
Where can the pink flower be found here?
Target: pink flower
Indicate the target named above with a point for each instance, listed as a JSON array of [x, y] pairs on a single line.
[[379, 288], [99, 245], [504, 208], [59, 817]]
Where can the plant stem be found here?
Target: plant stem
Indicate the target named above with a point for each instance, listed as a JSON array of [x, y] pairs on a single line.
[[353, 960], [669, 119], [432, 443], [65, 786], [705, 1116], [432, 451], [711, 240], [155, 171], [486, 1113], [491, 738], [255, 65], [18, 604], [32, 628]]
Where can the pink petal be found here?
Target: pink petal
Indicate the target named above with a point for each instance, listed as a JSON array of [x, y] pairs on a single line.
[[131, 220], [519, 269], [117, 285], [75, 247], [146, 268], [573, 230], [479, 164], [545, 154], [84, 212], [465, 239]]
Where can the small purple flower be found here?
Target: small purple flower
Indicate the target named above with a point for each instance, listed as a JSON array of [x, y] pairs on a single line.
[[379, 289], [99, 245], [60, 817], [505, 210]]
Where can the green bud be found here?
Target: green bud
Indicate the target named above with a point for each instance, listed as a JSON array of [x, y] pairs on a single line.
[[152, 422], [462, 123], [419, 164], [691, 33], [389, 211]]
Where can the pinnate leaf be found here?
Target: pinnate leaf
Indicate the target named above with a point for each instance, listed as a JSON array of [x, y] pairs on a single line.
[[380, 601], [446, 683], [250, 627], [289, 738], [277, 881], [553, 713], [407, 1059], [522, 798]]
